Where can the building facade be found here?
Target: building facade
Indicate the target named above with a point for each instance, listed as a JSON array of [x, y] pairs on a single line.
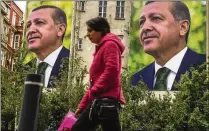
[[11, 32], [118, 14]]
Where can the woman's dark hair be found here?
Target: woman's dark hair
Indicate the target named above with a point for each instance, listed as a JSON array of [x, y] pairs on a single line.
[[99, 24]]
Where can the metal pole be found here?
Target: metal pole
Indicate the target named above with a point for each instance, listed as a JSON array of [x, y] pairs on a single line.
[[72, 44], [31, 102], [207, 32]]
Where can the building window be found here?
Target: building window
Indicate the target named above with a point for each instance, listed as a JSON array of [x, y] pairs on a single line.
[[2, 57], [80, 44], [13, 19], [103, 8], [9, 62], [120, 5], [5, 34], [11, 38], [13, 64], [16, 41], [81, 5]]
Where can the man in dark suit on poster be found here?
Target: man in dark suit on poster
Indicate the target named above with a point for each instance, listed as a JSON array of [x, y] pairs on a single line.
[[45, 31], [164, 31]]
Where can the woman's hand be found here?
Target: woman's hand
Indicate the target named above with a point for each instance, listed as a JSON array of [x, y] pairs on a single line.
[[66, 129], [77, 112]]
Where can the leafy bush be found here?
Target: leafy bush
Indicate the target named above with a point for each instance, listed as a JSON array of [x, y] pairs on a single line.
[[56, 102], [12, 85], [188, 111]]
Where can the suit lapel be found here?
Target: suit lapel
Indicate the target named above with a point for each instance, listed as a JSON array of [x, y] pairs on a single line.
[[188, 60], [149, 76], [57, 65]]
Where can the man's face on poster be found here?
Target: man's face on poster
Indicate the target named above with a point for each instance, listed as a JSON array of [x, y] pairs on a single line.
[[159, 31], [41, 30]]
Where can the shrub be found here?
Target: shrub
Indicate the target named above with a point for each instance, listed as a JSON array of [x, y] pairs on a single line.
[[189, 110]]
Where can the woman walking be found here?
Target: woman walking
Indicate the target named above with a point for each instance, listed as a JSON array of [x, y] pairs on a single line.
[[102, 101]]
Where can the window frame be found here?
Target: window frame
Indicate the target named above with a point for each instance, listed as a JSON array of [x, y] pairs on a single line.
[[80, 44], [81, 6], [14, 19], [103, 7], [11, 39], [3, 53], [120, 15], [16, 43]]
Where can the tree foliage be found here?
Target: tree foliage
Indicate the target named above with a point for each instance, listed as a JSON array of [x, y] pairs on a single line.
[[144, 111], [12, 85], [56, 102], [189, 110]]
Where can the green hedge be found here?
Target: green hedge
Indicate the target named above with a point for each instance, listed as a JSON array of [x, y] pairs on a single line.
[[189, 110]]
